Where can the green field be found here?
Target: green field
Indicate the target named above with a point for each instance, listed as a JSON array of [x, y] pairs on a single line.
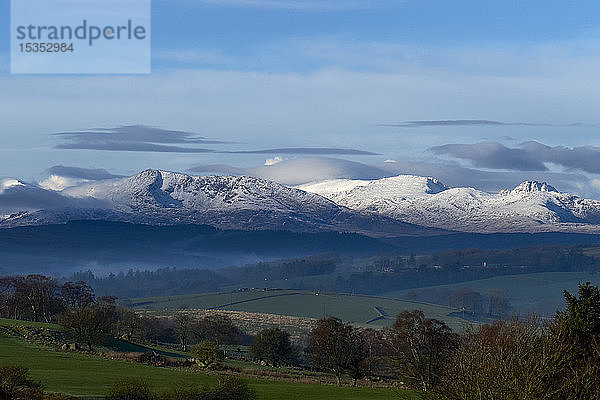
[[87, 375], [540, 293], [355, 309]]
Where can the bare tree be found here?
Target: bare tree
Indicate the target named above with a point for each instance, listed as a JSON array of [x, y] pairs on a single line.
[[39, 295], [185, 329], [77, 294], [339, 348], [420, 348], [91, 324]]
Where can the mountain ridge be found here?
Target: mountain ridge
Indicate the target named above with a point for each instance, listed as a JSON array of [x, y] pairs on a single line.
[[228, 202], [386, 207], [530, 207]]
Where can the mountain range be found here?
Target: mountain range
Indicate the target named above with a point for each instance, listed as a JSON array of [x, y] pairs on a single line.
[[389, 207]]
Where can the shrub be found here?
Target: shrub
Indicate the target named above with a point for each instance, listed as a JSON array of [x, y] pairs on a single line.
[[227, 388], [15, 384], [207, 354], [152, 358], [130, 389], [186, 393], [232, 388]]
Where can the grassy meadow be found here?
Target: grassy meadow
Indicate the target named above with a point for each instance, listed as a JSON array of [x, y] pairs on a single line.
[[539, 293], [356, 309], [91, 376]]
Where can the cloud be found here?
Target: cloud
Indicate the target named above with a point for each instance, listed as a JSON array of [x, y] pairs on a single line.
[[273, 161], [134, 138], [7, 183], [302, 170], [529, 156], [60, 177], [93, 174], [475, 122], [305, 170], [492, 155], [22, 197], [149, 139], [58, 183], [455, 175], [273, 108], [307, 150], [585, 158], [131, 146]]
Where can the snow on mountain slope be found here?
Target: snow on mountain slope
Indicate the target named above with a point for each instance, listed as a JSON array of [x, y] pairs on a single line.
[[228, 202], [530, 207], [154, 189], [7, 183], [400, 205], [403, 186]]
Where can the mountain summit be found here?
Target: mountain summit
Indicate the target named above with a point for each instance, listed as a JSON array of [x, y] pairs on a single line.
[[530, 187]]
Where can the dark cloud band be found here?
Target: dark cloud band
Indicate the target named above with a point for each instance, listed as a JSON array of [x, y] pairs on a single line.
[[306, 150], [474, 122], [134, 138], [529, 156], [150, 139]]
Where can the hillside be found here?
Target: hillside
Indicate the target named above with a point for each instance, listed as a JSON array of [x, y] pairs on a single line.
[[538, 293], [156, 197], [357, 309], [398, 206], [530, 207]]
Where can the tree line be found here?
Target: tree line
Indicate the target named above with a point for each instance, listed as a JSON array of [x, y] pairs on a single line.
[[91, 320], [40, 298], [172, 281], [383, 273]]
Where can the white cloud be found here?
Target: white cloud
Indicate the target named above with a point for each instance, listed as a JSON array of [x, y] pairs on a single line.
[[58, 183], [273, 161], [595, 183], [302, 170], [7, 183], [331, 107], [21, 197]]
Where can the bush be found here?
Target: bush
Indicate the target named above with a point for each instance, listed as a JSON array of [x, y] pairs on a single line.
[[15, 384], [232, 388], [227, 388], [207, 354], [186, 393], [151, 358], [130, 389]]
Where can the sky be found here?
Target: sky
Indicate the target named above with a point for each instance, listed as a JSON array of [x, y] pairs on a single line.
[[476, 93]]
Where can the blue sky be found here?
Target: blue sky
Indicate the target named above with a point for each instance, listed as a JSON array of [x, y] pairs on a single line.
[[278, 74]]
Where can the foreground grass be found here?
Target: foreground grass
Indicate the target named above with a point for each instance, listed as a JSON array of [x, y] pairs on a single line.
[[86, 375]]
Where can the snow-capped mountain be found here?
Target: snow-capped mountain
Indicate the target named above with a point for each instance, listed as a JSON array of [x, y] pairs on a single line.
[[228, 202], [530, 207], [400, 205]]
